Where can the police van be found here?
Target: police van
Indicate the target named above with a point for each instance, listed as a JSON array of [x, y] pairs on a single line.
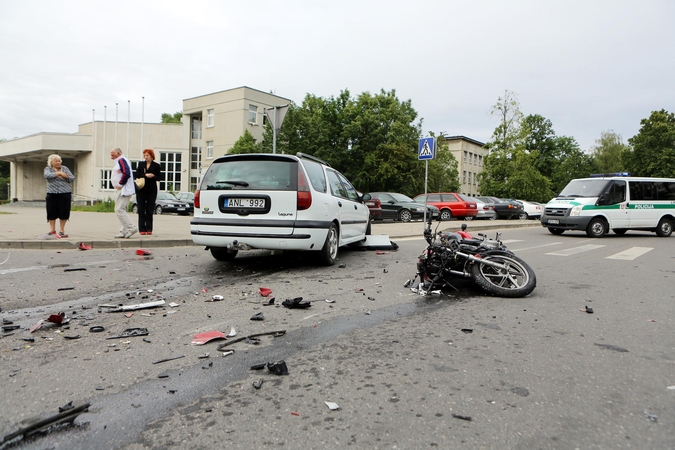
[[613, 201]]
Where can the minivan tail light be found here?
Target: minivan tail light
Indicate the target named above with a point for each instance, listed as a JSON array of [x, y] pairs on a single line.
[[196, 201], [304, 194]]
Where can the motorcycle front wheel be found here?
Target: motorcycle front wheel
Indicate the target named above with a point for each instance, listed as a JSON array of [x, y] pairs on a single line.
[[516, 279]]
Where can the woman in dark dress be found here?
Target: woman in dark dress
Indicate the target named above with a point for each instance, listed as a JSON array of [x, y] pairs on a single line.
[[146, 196]]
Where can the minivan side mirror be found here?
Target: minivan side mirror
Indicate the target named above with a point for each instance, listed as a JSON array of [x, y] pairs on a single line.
[[366, 197]]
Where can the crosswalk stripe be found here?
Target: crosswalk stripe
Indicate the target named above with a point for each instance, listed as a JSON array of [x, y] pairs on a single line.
[[511, 241], [631, 253], [575, 250]]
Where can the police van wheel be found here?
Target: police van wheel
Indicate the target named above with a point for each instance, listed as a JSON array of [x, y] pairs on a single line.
[[596, 228], [619, 231], [557, 231], [664, 228]]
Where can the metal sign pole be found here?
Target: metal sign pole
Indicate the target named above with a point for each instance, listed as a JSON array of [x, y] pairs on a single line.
[[426, 181]]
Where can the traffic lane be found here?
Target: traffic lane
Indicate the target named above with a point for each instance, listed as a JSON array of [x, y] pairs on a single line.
[[534, 372], [93, 365]]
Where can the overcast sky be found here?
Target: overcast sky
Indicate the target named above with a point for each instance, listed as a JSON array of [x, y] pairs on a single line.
[[587, 66]]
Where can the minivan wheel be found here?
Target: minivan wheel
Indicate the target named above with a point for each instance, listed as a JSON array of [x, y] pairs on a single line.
[[404, 216], [221, 254], [596, 228], [556, 231], [664, 228], [446, 214], [328, 253]]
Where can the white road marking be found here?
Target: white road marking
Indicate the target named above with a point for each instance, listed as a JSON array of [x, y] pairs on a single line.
[[25, 269], [575, 250], [631, 253], [511, 241], [536, 246]]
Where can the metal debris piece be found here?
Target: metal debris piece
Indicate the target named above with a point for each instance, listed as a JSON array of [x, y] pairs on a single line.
[[75, 269], [279, 333], [457, 416], [232, 333], [154, 304], [278, 368], [296, 303], [62, 417], [258, 316], [129, 332], [586, 309], [168, 359], [257, 384], [65, 289], [332, 406]]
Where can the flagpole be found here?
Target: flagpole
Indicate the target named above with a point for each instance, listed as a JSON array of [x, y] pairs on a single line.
[[128, 123], [116, 113]]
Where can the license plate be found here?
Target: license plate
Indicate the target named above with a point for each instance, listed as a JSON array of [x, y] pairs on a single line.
[[181, 209], [553, 222], [245, 202]]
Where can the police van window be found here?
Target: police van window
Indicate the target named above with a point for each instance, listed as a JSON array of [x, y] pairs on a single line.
[[614, 193], [665, 190], [642, 190]]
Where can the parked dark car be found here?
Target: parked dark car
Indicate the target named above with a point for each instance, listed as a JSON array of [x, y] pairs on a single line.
[[166, 203], [505, 209], [451, 204], [187, 197], [401, 207]]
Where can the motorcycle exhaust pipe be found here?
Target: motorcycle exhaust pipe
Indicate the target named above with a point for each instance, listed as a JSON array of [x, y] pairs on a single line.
[[483, 261]]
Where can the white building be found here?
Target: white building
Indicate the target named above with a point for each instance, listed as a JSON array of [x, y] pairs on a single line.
[[183, 150]]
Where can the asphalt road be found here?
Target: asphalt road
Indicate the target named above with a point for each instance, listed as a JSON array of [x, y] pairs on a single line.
[[534, 372]]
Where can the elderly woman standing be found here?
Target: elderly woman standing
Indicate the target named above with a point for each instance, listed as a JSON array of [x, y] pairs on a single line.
[[59, 192], [146, 196]]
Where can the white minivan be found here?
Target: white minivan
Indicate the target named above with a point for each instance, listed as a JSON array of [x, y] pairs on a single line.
[[620, 203]]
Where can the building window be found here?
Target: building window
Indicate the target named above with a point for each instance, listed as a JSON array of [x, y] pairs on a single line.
[[252, 114], [106, 182], [474, 178], [196, 128], [210, 118], [172, 169], [463, 176], [464, 157], [209, 149], [193, 184], [195, 157], [480, 160], [470, 158]]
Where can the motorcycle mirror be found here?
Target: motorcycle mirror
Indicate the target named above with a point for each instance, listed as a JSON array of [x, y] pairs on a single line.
[[463, 227]]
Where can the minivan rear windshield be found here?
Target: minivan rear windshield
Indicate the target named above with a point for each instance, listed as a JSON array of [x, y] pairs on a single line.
[[584, 188], [253, 174]]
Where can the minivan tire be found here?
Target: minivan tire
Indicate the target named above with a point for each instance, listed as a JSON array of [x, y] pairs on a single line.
[[597, 228], [328, 254], [664, 228]]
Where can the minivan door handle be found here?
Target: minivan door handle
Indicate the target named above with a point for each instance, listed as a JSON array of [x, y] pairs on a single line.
[[356, 208], [340, 204]]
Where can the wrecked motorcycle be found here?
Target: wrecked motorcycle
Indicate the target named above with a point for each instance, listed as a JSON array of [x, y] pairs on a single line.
[[486, 261]]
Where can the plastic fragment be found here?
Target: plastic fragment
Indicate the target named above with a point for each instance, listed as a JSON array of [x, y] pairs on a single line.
[[232, 333], [265, 291], [203, 338], [65, 289], [77, 336], [342, 266], [467, 330], [458, 416], [269, 302], [257, 384], [332, 406], [652, 417], [295, 413], [128, 315], [82, 246], [587, 310], [143, 252], [258, 366], [671, 388], [258, 316], [168, 359], [173, 305], [204, 356], [75, 269], [228, 353], [130, 332], [296, 303], [330, 301], [215, 298], [96, 329]]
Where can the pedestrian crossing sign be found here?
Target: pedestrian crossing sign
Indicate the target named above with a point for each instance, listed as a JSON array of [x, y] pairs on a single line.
[[427, 149]]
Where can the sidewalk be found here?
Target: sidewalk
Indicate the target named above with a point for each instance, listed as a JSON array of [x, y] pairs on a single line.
[[21, 225]]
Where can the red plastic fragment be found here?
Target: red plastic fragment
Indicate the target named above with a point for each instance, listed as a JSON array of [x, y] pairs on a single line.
[[295, 413], [265, 291], [203, 338], [143, 252], [204, 290], [82, 246], [56, 318]]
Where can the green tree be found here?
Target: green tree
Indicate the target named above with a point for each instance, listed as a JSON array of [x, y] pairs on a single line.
[[246, 144], [572, 163], [511, 174], [538, 135], [507, 133], [607, 152], [172, 118], [653, 152]]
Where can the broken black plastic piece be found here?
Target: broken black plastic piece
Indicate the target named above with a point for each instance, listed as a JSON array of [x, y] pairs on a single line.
[[65, 289], [278, 368], [588, 310], [74, 269], [296, 303], [257, 384], [458, 416], [96, 329], [258, 366], [467, 330], [258, 316], [129, 332]]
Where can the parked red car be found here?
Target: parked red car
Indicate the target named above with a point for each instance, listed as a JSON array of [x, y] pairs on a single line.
[[451, 204], [375, 207]]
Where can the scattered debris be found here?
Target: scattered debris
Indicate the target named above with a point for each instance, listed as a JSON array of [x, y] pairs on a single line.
[[67, 416], [252, 341], [66, 407], [228, 353], [204, 290], [128, 315], [296, 303], [232, 333], [129, 332], [257, 384], [265, 291], [278, 368], [258, 316], [82, 246], [169, 359], [57, 318], [75, 269], [651, 320], [258, 366], [65, 289], [204, 356], [143, 252], [652, 417], [173, 305], [215, 298], [77, 336], [671, 388], [467, 330], [342, 266], [295, 413], [332, 406], [10, 327], [458, 416], [587, 310], [612, 347], [367, 313], [163, 375], [203, 338], [330, 301], [269, 302], [385, 271]]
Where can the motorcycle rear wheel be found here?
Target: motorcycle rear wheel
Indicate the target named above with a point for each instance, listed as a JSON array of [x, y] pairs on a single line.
[[517, 280]]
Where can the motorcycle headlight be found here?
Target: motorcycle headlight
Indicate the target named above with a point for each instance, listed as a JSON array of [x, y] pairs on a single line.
[[576, 210]]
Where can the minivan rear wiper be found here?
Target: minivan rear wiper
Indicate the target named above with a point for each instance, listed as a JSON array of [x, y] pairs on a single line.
[[234, 182]]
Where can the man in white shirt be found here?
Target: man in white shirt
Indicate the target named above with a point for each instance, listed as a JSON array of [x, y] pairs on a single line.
[[123, 181]]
